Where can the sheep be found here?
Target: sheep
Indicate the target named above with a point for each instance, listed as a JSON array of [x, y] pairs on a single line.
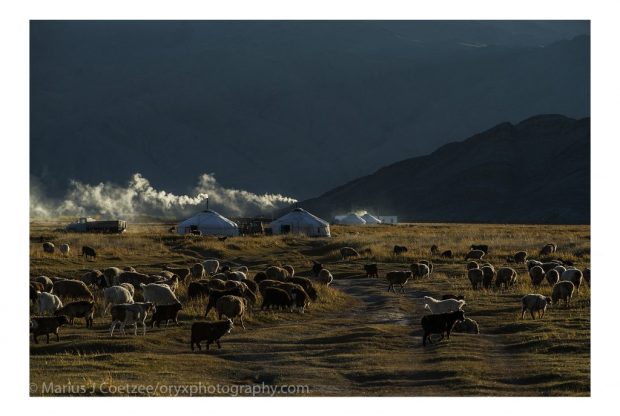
[[533, 263], [46, 325], [232, 307], [548, 249], [442, 306], [472, 265], [130, 269], [534, 303], [347, 252], [72, 289], [419, 270], [306, 284], [252, 285], [211, 266], [560, 269], [111, 275], [289, 269], [93, 278], [48, 247], [552, 277], [275, 297], [325, 277], [210, 332], [48, 303], [276, 273], [158, 294], [316, 268], [172, 283], [89, 252], [245, 270], [130, 314], [64, 249], [451, 296], [398, 278], [468, 326], [476, 278], [80, 309], [197, 289], [182, 272], [428, 264], [506, 277], [35, 288], [586, 275], [260, 276], [371, 270], [481, 247], [300, 298], [537, 274], [572, 275], [520, 257], [488, 273], [267, 283], [475, 255], [46, 282], [447, 254], [215, 295], [136, 279], [398, 250], [116, 295], [218, 284], [166, 313], [129, 287], [197, 271], [562, 290], [434, 250], [239, 275], [166, 274], [440, 323]]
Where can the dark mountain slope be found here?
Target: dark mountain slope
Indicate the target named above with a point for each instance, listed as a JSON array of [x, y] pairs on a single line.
[[537, 171]]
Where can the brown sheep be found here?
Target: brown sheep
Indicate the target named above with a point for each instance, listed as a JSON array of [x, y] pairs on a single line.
[[210, 332], [472, 265], [47, 283], [398, 278], [198, 271], [548, 249], [537, 274], [562, 291], [80, 309], [475, 255], [232, 307], [488, 273], [72, 289], [552, 276], [289, 269], [46, 325], [347, 252], [506, 277], [276, 273], [182, 272], [476, 277]]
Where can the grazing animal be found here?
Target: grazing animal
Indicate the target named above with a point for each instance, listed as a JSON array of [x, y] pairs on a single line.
[[276, 297], [130, 269], [447, 254], [488, 274], [533, 263], [472, 265], [451, 296], [182, 272], [534, 303], [116, 295], [475, 255], [211, 266], [347, 252], [130, 314], [35, 288], [136, 279], [481, 247], [316, 268], [434, 250], [93, 278], [572, 275], [89, 252], [325, 277], [165, 313], [476, 278], [519, 257], [215, 295], [506, 277], [64, 249], [443, 306], [398, 250], [428, 264], [537, 274], [260, 276], [130, 288], [198, 271], [419, 270], [80, 309], [562, 290], [371, 270], [47, 283], [276, 273], [158, 294], [197, 289], [111, 275], [232, 307], [440, 324], [46, 325], [77, 289], [398, 278], [586, 275], [210, 332], [48, 303], [289, 269], [48, 247], [467, 326], [548, 249], [306, 284]]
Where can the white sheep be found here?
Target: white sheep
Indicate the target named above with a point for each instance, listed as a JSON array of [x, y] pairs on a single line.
[[116, 295], [572, 275], [211, 266], [534, 303], [47, 303], [158, 294], [64, 249], [442, 306], [130, 314]]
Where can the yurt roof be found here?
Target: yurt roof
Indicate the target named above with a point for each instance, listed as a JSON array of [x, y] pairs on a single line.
[[352, 218], [300, 215], [209, 218], [371, 219]]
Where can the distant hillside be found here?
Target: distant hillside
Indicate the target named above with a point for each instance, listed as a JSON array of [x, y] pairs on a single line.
[[537, 171]]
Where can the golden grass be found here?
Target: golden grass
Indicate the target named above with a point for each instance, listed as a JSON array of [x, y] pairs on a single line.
[[357, 340]]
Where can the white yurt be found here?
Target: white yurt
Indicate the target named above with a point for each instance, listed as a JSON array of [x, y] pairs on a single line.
[[371, 219], [352, 219], [300, 221], [208, 222]]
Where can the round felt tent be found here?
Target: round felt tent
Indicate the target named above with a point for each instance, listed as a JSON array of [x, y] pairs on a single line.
[[300, 221], [371, 219], [208, 223], [352, 219]]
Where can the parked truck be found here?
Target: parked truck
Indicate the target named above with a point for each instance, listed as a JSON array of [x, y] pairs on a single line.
[[89, 225]]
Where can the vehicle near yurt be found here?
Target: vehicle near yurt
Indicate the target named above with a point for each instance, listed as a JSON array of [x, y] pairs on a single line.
[[208, 222], [300, 221]]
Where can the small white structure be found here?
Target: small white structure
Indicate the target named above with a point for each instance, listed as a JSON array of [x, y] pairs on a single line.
[[371, 219], [300, 221], [388, 219], [351, 219], [208, 222]]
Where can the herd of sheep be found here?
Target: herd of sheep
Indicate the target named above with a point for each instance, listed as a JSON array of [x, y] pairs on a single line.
[[131, 297]]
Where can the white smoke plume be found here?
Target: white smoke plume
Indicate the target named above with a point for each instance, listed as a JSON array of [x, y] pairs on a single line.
[[139, 198]]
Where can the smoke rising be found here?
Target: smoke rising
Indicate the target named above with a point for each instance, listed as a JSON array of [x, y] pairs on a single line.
[[139, 198]]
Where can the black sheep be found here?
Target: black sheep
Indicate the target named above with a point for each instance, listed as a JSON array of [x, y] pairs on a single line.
[[440, 323], [482, 247], [371, 270], [399, 250], [306, 284], [166, 313], [447, 254], [197, 289], [215, 294], [276, 297], [89, 252], [210, 332], [316, 269], [46, 325], [79, 309]]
